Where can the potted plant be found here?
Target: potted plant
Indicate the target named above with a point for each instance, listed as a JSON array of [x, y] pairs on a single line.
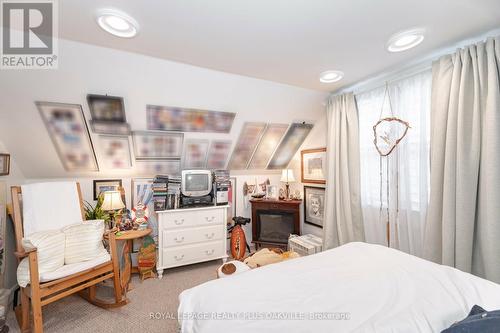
[[96, 212]]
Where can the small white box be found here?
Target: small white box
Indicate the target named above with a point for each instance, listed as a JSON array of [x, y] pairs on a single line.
[[305, 245]]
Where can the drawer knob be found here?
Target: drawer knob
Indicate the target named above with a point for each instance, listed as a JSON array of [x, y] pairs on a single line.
[[210, 236], [179, 258], [179, 240], [209, 219], [179, 222], [209, 252]]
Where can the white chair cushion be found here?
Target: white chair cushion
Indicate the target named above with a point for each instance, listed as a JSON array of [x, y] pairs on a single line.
[[50, 251], [50, 206], [83, 241], [70, 269], [23, 276]]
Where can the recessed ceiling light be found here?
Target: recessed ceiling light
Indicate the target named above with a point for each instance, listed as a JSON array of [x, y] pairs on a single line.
[[117, 23], [405, 40], [331, 76]]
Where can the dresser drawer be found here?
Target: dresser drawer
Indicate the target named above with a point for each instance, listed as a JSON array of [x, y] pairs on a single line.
[[185, 219], [181, 255], [181, 237]]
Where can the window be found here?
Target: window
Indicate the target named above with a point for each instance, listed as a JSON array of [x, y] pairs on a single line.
[[407, 166]]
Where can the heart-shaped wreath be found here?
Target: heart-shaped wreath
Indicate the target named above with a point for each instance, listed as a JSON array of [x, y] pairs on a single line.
[[387, 134]]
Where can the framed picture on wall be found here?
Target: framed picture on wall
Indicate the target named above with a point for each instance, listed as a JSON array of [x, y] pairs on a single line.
[[270, 140], [249, 138], [168, 118], [218, 153], [69, 133], [314, 205], [195, 154], [313, 166], [103, 185], [4, 164], [157, 145], [106, 108], [115, 152], [289, 145]]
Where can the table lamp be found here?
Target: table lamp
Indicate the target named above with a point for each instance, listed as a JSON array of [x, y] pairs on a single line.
[[287, 178], [113, 202]]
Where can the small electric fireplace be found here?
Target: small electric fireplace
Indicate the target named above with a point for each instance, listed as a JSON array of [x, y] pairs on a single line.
[[273, 221]]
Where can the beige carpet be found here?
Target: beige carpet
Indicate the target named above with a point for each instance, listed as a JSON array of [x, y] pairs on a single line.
[[74, 314]]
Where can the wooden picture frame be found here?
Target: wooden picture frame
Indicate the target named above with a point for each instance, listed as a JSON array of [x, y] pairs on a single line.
[[314, 205], [4, 164], [309, 173], [101, 185]]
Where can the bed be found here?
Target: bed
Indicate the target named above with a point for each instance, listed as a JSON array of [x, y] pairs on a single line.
[[356, 287]]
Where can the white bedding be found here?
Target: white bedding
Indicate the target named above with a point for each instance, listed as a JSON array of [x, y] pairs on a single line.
[[367, 288]]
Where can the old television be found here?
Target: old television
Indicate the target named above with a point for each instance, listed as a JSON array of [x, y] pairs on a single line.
[[196, 183]]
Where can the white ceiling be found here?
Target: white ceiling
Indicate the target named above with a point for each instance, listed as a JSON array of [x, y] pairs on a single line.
[[288, 41]]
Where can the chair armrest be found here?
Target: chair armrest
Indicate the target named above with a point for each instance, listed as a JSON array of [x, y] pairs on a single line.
[[24, 253]]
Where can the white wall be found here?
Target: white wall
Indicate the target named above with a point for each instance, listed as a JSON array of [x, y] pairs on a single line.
[[140, 80]]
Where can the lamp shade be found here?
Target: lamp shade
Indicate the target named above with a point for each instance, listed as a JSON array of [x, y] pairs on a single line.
[[287, 176], [112, 201]]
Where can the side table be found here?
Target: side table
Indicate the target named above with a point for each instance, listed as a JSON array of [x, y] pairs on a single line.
[[126, 268]]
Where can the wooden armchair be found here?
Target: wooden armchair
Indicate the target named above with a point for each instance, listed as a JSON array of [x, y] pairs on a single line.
[[83, 282]]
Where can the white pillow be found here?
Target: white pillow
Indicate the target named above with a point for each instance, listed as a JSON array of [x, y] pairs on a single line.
[[83, 241], [50, 252]]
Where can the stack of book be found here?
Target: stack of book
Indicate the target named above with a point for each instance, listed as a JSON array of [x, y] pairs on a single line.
[[173, 192], [160, 192]]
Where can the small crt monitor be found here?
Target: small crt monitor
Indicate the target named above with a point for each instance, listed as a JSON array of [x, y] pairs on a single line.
[[196, 183]]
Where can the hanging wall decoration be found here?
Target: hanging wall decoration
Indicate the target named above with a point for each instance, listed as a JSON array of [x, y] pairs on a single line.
[[106, 108], [157, 145], [218, 153], [195, 154], [108, 115], [249, 138], [115, 152], [68, 130], [291, 142], [167, 118], [313, 165], [4, 164], [388, 133], [267, 145]]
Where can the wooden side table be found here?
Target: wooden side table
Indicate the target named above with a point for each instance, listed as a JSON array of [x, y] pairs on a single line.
[[127, 269]]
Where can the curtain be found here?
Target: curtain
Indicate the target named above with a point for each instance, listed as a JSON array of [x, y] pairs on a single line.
[[408, 165], [343, 217], [463, 228]]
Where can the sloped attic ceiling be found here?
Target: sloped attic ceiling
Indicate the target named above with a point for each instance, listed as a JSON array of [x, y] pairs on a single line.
[[140, 80]]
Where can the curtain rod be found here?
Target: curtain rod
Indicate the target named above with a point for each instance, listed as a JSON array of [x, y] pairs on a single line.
[[412, 68]]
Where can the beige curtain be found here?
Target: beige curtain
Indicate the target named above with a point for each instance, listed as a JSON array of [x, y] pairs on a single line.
[[343, 218], [463, 222]]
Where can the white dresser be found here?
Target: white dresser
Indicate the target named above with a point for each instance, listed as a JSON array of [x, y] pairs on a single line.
[[190, 235]]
